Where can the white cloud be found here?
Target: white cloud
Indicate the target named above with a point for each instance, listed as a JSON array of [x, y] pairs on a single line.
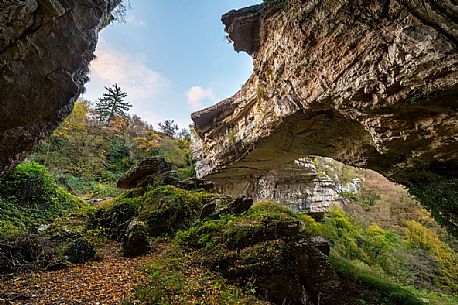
[[132, 19], [197, 95], [135, 78]]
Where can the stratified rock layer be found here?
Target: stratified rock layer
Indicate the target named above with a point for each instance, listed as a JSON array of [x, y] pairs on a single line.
[[45, 49], [296, 185], [369, 83]]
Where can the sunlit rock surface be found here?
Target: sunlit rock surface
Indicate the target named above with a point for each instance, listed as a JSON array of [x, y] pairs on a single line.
[[372, 84], [45, 49]]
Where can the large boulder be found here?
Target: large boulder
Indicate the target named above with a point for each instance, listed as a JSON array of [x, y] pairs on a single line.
[[149, 170], [45, 50], [267, 250], [372, 84]]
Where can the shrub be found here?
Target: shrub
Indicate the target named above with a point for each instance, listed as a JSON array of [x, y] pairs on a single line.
[[80, 251], [446, 275], [29, 184], [30, 196]]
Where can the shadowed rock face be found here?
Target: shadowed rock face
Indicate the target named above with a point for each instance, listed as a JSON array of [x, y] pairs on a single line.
[[372, 84], [45, 49]]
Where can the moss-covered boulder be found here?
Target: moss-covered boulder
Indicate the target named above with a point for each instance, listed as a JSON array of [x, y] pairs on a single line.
[[148, 171], [80, 251], [113, 216], [167, 209], [266, 249], [136, 241], [164, 210]]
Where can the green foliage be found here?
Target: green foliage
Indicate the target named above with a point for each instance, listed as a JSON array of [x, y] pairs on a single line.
[[30, 184], [112, 104], [166, 209], [446, 275], [88, 156], [29, 197], [88, 187], [412, 259], [168, 127], [266, 220]]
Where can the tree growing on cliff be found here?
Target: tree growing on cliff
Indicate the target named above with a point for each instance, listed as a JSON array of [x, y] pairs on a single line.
[[112, 104]]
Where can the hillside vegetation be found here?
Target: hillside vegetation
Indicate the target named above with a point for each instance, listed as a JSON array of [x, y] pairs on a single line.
[[384, 248], [88, 155]]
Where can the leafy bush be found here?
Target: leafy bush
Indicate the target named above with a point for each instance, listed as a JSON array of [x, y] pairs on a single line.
[[29, 184], [29, 197]]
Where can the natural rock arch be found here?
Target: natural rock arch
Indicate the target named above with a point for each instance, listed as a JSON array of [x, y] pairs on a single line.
[[369, 83]]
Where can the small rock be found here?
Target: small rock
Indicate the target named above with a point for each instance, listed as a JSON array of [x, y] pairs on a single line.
[[136, 242], [321, 244], [98, 201], [208, 209], [57, 266], [240, 205]]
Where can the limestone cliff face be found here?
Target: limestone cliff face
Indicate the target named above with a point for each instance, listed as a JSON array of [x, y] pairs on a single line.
[[370, 83], [297, 185], [45, 49]]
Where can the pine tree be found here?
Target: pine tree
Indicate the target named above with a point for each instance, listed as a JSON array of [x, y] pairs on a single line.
[[112, 104], [169, 128]]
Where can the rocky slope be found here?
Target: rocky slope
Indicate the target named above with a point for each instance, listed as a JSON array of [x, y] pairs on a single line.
[[369, 83], [45, 49]]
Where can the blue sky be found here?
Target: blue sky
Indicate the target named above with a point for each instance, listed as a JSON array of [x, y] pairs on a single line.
[[171, 57]]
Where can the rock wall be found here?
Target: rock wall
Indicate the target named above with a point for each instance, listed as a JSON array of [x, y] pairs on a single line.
[[370, 83], [45, 49], [297, 185]]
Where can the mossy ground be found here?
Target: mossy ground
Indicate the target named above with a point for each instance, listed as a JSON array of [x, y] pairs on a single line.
[[31, 197], [176, 276]]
